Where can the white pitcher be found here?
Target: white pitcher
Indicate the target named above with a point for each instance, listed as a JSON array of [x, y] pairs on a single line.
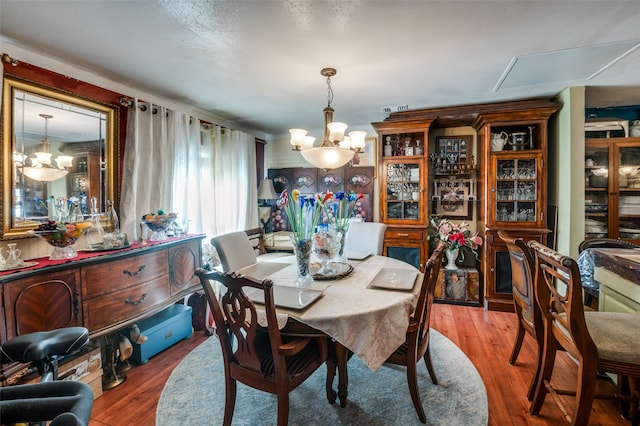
[[498, 141]]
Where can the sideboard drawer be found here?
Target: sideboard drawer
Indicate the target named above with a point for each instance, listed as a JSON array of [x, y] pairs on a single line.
[[120, 274], [119, 305], [410, 234]]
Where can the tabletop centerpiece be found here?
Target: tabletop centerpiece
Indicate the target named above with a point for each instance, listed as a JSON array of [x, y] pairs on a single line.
[[455, 236], [339, 208], [61, 236], [303, 214]]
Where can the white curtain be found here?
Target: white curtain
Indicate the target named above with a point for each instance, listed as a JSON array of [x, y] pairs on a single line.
[[206, 175], [149, 166], [234, 205]]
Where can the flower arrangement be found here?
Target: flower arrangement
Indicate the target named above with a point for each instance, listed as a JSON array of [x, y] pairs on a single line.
[[339, 212], [303, 212], [455, 236]]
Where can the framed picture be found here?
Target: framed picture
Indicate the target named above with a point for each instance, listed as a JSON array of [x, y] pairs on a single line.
[[368, 157], [451, 199]]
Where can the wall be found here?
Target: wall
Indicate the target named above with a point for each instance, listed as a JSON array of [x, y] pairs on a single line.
[[566, 170]]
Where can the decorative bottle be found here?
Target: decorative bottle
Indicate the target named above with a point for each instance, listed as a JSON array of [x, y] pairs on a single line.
[[112, 218]]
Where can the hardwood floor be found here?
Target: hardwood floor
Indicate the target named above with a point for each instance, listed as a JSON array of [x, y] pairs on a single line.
[[486, 337]]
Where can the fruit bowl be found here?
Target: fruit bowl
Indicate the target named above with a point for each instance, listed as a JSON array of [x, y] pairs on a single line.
[[158, 224], [61, 236]]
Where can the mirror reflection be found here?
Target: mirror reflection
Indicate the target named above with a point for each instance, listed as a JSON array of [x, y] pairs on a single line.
[[60, 154]]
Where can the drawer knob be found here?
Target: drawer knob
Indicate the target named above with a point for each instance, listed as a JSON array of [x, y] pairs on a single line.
[[131, 302], [133, 274]]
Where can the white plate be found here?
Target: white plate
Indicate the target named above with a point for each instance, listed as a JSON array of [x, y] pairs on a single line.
[[286, 297], [395, 279], [357, 255]]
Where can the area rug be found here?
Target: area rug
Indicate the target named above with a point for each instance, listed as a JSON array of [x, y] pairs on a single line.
[[194, 394]]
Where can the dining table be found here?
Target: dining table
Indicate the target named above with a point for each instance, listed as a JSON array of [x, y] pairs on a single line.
[[364, 308]]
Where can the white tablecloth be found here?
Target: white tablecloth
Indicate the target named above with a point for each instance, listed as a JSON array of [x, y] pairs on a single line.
[[371, 322]]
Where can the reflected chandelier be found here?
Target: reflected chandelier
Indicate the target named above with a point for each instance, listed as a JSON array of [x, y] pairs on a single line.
[[41, 168], [336, 149]]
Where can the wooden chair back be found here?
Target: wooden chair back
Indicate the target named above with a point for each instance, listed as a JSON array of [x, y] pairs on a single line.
[[559, 295], [421, 318], [605, 243], [267, 361], [416, 344], [522, 280], [527, 310], [256, 238]]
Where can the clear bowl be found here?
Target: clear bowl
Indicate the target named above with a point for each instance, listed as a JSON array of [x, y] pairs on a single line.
[[158, 226], [63, 239]]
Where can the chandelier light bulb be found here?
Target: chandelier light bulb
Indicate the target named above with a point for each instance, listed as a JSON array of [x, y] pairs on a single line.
[[297, 137]]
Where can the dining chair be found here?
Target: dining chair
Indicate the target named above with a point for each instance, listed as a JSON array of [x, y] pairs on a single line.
[[234, 250], [416, 344], [267, 361], [365, 237], [592, 291], [598, 341], [527, 310]]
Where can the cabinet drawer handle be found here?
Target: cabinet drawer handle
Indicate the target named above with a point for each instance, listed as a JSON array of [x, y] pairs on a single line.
[[133, 274], [403, 235], [131, 302]]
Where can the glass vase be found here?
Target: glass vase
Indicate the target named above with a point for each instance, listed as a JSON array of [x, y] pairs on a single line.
[[302, 251], [326, 244], [341, 256], [452, 255]]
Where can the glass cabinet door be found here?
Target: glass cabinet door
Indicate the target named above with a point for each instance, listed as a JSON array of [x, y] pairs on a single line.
[[596, 184], [403, 193], [629, 190], [516, 190]]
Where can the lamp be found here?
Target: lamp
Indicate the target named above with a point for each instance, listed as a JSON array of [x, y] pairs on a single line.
[[41, 168], [266, 191], [336, 149]]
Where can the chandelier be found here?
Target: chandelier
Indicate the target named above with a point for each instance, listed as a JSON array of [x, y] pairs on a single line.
[[41, 168], [336, 149]]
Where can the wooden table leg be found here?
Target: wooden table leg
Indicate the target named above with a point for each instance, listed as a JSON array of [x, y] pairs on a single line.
[[342, 356]]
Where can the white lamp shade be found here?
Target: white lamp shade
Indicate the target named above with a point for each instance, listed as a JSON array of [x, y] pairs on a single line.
[[43, 157], [266, 191], [297, 137], [336, 131], [357, 139], [346, 143], [308, 142], [64, 161], [44, 174], [327, 158]]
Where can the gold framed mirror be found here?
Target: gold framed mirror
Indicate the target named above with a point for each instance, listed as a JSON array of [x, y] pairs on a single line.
[[59, 152]]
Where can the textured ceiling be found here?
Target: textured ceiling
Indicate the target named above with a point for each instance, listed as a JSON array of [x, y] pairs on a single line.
[[257, 63]]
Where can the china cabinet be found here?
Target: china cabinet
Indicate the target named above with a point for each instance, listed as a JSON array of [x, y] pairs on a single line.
[[512, 197], [612, 188], [507, 180], [403, 183]]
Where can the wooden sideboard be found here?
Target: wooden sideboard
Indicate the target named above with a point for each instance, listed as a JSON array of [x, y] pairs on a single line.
[[102, 292]]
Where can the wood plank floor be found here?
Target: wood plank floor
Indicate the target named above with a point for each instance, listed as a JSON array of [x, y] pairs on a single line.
[[486, 337]]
